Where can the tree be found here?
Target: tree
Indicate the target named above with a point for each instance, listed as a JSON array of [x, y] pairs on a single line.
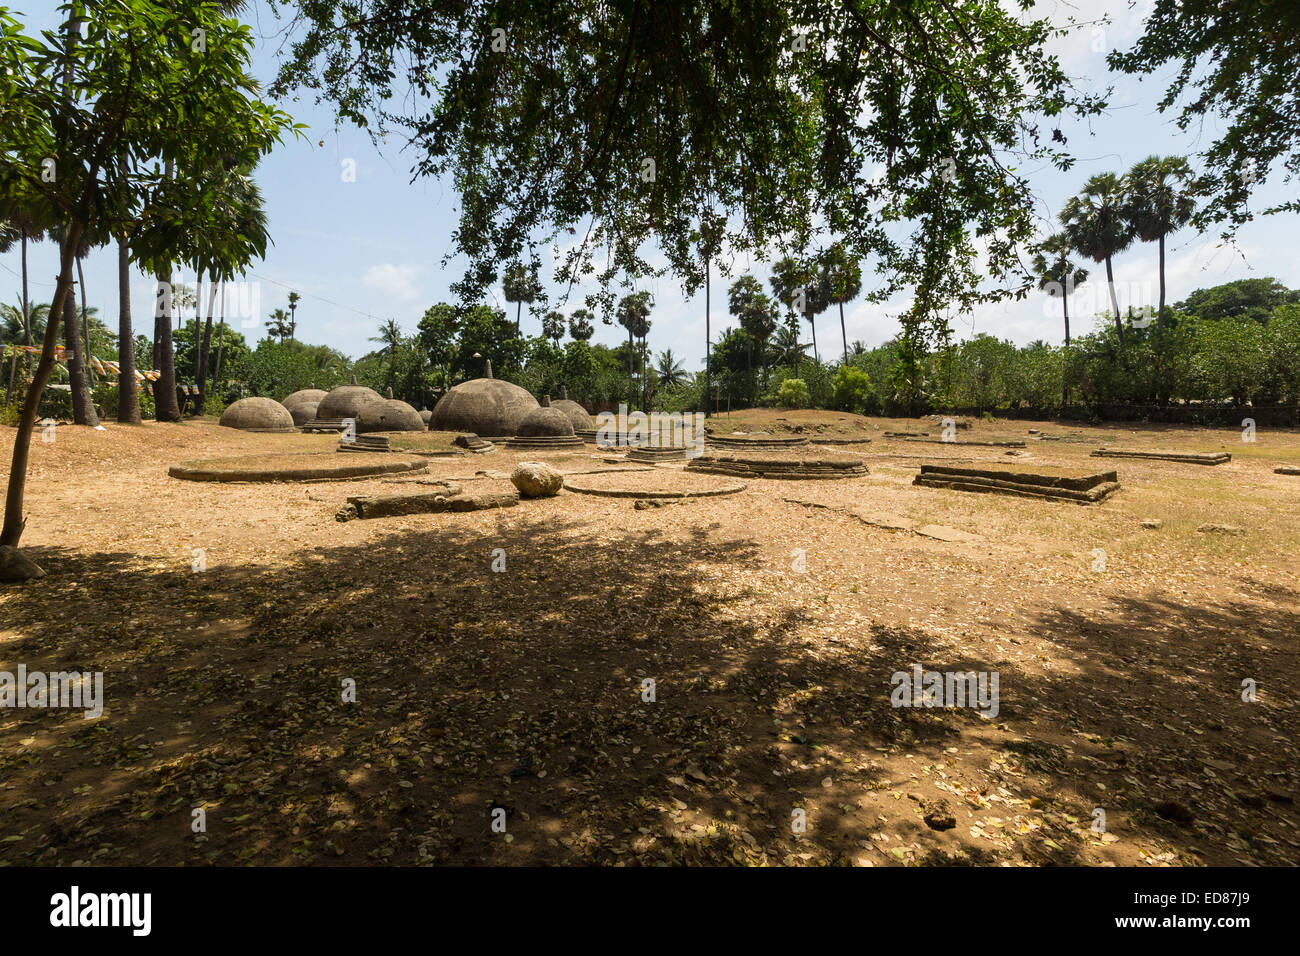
[[844, 274], [786, 349], [436, 336], [486, 332], [755, 312], [803, 287], [389, 338], [293, 314], [1236, 62], [1255, 299], [1098, 228], [1159, 203], [85, 101], [638, 119], [553, 326], [521, 285], [580, 325], [670, 371], [1057, 274], [277, 325], [634, 315]]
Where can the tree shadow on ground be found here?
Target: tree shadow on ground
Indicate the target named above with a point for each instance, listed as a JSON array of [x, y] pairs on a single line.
[[522, 695]]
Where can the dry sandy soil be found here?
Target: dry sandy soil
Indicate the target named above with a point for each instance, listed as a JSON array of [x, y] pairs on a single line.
[[1121, 652]]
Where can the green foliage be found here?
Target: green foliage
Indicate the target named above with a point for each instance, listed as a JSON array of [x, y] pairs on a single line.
[[1246, 298], [793, 393], [1235, 62], [853, 391], [554, 130]]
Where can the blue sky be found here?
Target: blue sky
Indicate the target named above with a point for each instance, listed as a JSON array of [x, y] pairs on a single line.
[[367, 250]]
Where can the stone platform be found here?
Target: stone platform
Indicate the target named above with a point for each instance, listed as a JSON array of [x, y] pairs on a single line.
[[544, 442], [1187, 457], [322, 466], [1083, 489], [651, 483], [773, 465], [755, 441], [371, 443]]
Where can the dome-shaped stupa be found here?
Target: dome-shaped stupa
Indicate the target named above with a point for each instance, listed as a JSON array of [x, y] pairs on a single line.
[[545, 428], [546, 420], [487, 407], [258, 415], [389, 415], [303, 403], [346, 401], [577, 415]]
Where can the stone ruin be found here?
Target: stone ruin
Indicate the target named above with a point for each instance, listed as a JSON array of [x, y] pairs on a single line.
[[1187, 457], [1084, 489], [258, 415]]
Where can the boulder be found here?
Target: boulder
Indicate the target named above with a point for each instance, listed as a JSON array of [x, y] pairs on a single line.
[[16, 566], [536, 480]]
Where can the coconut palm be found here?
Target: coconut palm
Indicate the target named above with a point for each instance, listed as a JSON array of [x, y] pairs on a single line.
[[785, 346], [1057, 274], [389, 337], [1160, 202], [844, 275], [633, 315], [277, 324], [294, 297], [670, 371], [1098, 228]]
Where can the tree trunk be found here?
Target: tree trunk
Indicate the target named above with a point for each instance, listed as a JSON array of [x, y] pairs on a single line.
[[708, 342], [14, 521], [1114, 302], [518, 314], [128, 399], [631, 387], [203, 352], [1160, 316], [83, 409], [844, 334], [1065, 372], [221, 340], [85, 329], [812, 323]]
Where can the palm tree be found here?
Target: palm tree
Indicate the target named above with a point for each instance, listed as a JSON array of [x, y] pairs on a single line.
[[757, 317], [786, 348], [844, 275], [277, 324], [1057, 275], [670, 371], [293, 314], [553, 326], [580, 327], [390, 337], [1160, 202], [1098, 228], [793, 281], [708, 242], [633, 315], [520, 285]]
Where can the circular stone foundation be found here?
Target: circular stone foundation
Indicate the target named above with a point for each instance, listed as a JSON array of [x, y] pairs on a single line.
[[656, 484], [306, 467]]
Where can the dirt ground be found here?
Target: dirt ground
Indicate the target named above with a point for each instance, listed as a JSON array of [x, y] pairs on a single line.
[[771, 623]]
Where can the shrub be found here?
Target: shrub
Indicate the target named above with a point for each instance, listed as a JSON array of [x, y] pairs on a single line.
[[793, 393], [853, 392]]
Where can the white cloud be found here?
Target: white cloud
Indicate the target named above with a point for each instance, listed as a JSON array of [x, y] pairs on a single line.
[[394, 282]]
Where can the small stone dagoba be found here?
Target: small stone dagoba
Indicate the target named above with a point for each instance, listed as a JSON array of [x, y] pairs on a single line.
[[346, 401], [389, 415], [545, 427], [303, 403], [485, 406], [258, 415], [577, 414]]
